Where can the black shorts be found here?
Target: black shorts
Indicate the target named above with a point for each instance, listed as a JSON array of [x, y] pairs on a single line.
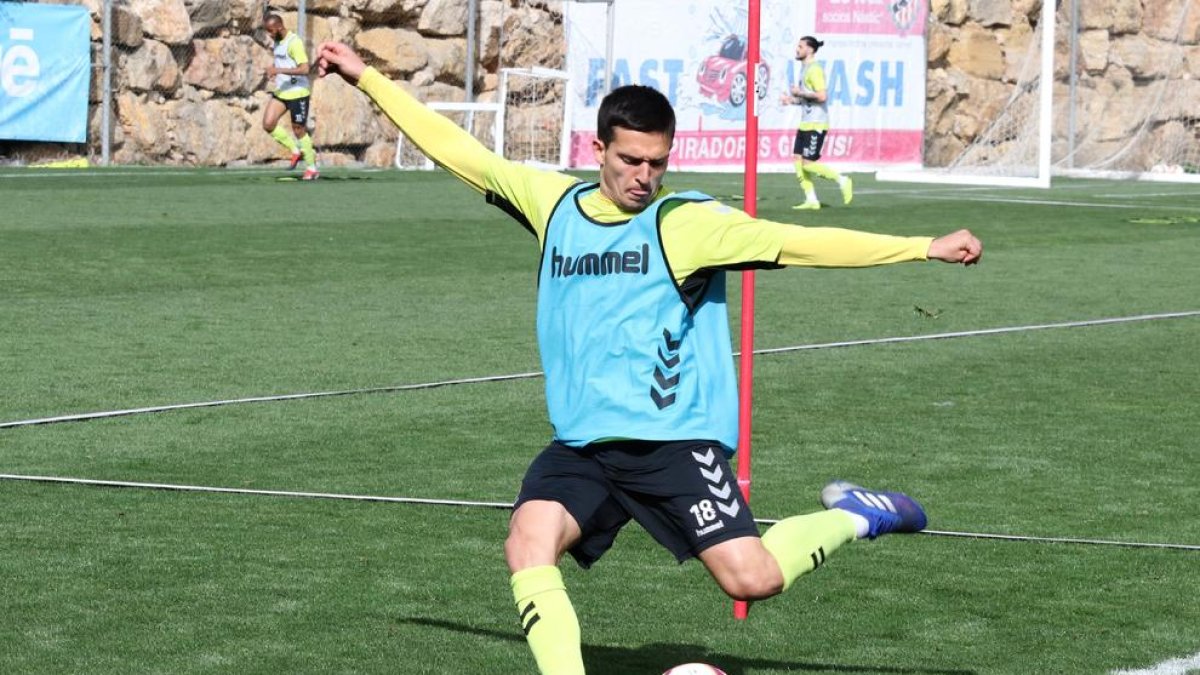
[[682, 492], [809, 143], [297, 109]]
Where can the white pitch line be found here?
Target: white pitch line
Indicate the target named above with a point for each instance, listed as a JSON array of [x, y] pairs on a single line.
[[506, 505], [1060, 540], [1187, 192], [83, 173], [104, 173], [245, 491], [1051, 202], [100, 172], [535, 374], [1042, 540], [263, 399], [984, 331], [1189, 664], [964, 187]]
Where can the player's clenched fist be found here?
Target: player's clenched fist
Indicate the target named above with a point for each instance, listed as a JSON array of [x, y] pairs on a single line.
[[337, 58], [956, 247]]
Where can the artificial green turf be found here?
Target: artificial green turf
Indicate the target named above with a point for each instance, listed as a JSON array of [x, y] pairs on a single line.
[[136, 288]]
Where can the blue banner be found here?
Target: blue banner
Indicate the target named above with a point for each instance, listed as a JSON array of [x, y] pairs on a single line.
[[45, 68]]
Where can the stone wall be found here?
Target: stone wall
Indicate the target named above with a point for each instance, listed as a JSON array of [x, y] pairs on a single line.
[[189, 79], [190, 75], [1126, 49]]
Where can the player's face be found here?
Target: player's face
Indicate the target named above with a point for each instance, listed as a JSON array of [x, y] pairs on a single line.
[[275, 29], [632, 166], [803, 51]]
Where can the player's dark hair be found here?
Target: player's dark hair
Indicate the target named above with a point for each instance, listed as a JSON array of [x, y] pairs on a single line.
[[812, 42], [271, 18], [636, 107]]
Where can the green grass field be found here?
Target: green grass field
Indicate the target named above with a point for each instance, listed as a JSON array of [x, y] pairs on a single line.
[[131, 288]]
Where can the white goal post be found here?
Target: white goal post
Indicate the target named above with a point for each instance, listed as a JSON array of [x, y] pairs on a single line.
[[530, 123], [1004, 131], [484, 121]]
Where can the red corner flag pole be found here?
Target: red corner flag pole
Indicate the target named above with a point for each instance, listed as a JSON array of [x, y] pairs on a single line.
[[741, 608]]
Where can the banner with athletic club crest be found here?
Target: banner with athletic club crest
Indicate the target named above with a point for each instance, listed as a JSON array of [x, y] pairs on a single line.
[[694, 51]]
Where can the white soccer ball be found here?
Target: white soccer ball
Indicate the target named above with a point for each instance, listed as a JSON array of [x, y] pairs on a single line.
[[694, 669]]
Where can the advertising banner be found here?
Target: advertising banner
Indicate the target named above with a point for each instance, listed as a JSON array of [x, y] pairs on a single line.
[[694, 51], [45, 68]]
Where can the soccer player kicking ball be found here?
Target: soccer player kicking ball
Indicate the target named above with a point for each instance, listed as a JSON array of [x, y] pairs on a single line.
[[635, 346]]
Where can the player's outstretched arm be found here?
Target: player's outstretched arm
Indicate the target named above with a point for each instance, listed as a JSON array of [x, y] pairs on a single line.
[[531, 192], [956, 247], [710, 234], [440, 139]]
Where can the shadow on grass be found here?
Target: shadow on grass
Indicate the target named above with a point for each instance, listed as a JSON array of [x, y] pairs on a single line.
[[655, 658]]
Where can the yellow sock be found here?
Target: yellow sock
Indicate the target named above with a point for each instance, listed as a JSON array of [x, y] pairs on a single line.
[[285, 139], [810, 194], [306, 149], [549, 620], [818, 169], [800, 544]]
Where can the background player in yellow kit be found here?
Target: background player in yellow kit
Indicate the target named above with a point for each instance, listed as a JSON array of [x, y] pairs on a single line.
[[292, 95], [813, 98]]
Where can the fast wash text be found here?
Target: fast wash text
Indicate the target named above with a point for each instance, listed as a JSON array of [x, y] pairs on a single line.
[[874, 62]]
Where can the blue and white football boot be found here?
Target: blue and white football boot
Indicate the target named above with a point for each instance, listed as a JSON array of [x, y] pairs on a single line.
[[884, 511]]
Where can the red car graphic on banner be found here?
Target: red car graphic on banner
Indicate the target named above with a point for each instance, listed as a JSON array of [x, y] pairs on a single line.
[[723, 75]]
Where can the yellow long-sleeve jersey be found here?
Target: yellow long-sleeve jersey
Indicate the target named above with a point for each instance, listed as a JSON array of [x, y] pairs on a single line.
[[695, 236]]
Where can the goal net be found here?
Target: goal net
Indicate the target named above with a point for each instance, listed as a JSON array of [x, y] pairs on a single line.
[[1080, 95], [484, 121], [1136, 116], [529, 124], [536, 116]]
